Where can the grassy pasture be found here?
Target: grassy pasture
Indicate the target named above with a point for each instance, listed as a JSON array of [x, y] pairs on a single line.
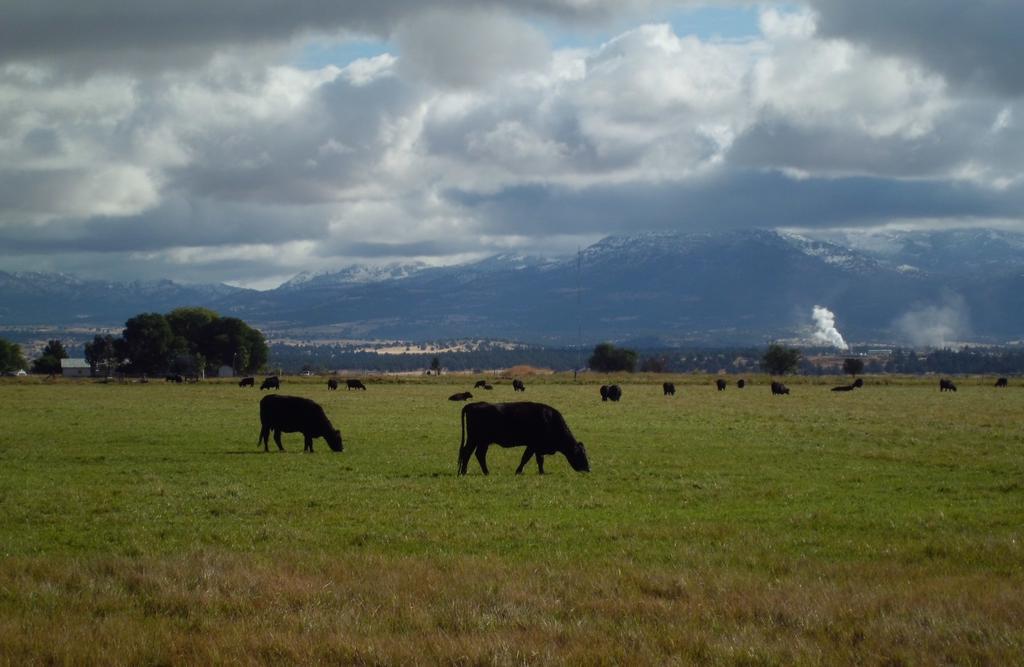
[[142, 525]]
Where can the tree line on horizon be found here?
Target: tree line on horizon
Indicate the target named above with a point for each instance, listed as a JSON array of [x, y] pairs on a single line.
[[189, 340]]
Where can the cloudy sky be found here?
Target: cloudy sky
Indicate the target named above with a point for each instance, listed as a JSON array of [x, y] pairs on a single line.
[[247, 140]]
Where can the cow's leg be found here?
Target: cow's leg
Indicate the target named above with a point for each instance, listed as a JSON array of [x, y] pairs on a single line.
[[526, 459], [465, 452], [540, 463], [277, 439], [309, 444], [481, 456], [264, 438]]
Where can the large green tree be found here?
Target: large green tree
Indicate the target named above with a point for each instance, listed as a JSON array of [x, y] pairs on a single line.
[[11, 358], [189, 325], [608, 358], [49, 361], [231, 342], [149, 343], [779, 359], [853, 366], [104, 351]]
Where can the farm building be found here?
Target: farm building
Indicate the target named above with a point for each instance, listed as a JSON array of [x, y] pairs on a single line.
[[75, 368]]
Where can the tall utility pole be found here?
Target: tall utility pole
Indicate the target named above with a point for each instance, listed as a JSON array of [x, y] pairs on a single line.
[[579, 313]]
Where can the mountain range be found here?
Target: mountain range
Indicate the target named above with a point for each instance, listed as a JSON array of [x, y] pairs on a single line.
[[738, 287]]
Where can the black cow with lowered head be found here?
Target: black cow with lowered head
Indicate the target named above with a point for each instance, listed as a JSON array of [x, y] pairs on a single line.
[[720, 383], [332, 384], [479, 384], [614, 393], [604, 392], [517, 385], [272, 382], [462, 396], [293, 413], [779, 389], [741, 383], [1002, 382], [946, 385], [668, 389], [538, 427], [248, 381], [355, 384], [859, 382]]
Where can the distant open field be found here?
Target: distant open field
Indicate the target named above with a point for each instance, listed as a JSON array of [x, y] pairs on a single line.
[[141, 525]]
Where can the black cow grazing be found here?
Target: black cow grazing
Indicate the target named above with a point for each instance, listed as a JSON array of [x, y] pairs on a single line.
[[355, 384], [464, 396], [332, 384], [479, 383], [614, 393], [488, 387], [740, 384], [859, 382], [604, 392], [272, 382], [946, 385], [779, 389], [720, 383], [292, 413], [178, 378], [517, 385], [1002, 382], [668, 388], [538, 427], [247, 382]]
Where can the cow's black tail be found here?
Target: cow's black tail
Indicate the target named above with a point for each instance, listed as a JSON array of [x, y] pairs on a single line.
[[462, 438]]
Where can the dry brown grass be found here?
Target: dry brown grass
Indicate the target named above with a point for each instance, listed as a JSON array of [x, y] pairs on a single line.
[[351, 609], [524, 370]]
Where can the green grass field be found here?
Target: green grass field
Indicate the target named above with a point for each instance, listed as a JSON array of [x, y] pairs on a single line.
[[142, 525]]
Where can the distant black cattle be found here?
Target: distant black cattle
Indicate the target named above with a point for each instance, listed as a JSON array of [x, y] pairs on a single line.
[[668, 388], [332, 384], [614, 392], [175, 378], [479, 383], [741, 383], [247, 382], [517, 385], [1002, 382], [859, 382], [355, 384], [271, 382], [464, 396], [292, 413], [538, 427], [720, 383], [604, 392], [778, 389], [946, 385], [488, 387]]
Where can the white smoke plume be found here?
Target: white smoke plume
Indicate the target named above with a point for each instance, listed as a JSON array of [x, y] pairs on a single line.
[[936, 325], [827, 333]]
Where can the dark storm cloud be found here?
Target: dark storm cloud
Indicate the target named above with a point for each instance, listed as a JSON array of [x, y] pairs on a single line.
[[130, 34], [969, 41], [733, 200], [176, 223]]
